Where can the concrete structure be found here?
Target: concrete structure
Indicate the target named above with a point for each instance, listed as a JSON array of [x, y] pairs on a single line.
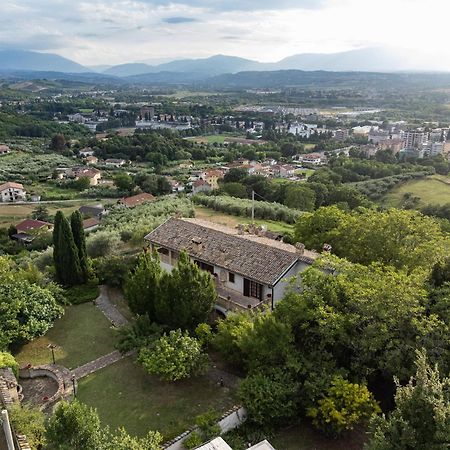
[[341, 135], [201, 186], [12, 192], [94, 175], [414, 139], [250, 269]]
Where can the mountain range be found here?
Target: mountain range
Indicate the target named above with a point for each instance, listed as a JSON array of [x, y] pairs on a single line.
[[362, 60]]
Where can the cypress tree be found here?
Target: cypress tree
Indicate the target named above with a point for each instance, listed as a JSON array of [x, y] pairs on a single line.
[[76, 223], [65, 253]]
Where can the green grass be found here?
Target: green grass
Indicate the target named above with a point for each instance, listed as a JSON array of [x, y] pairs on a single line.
[[125, 395], [81, 335], [434, 189], [10, 213], [202, 212], [215, 138]]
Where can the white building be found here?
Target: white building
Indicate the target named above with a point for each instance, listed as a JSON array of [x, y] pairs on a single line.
[[414, 139], [12, 192], [250, 269]]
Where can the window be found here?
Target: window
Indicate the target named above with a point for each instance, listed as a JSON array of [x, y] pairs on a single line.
[[231, 277], [252, 289], [205, 266]]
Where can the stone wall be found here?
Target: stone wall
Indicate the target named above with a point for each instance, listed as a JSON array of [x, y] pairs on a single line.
[[231, 419]]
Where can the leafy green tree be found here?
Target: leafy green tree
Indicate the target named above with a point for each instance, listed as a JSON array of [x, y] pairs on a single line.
[[102, 243], [41, 213], [174, 356], [65, 253], [142, 286], [124, 182], [343, 406], [58, 142], [74, 426], [403, 239], [300, 197], [234, 189], [187, 295], [421, 418], [204, 334], [27, 310], [230, 333], [123, 441], [76, 223], [270, 396], [29, 421], [370, 319]]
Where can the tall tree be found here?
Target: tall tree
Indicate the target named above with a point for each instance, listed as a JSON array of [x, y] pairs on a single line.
[[187, 295], [76, 224], [421, 418], [65, 253], [142, 286]]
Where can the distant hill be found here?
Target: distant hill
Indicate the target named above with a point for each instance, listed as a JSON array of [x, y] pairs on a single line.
[[11, 60], [214, 65]]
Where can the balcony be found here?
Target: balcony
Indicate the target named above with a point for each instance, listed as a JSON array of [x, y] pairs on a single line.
[[234, 301]]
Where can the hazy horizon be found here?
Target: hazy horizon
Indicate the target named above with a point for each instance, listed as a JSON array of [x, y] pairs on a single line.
[[101, 32]]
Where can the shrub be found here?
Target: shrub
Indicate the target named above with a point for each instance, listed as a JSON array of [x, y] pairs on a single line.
[[83, 293], [193, 440], [204, 334], [30, 422], [344, 406], [113, 270], [207, 423], [8, 360], [102, 243], [174, 356]]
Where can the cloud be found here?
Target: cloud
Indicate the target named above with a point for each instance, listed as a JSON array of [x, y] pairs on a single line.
[[176, 20]]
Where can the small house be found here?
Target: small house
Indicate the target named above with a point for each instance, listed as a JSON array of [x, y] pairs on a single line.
[[135, 200], [12, 192]]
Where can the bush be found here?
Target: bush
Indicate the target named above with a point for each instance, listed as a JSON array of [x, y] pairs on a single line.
[[82, 293], [174, 356], [8, 360], [113, 270], [270, 397], [142, 333], [204, 334], [344, 406], [194, 440], [102, 243], [207, 423], [30, 422]]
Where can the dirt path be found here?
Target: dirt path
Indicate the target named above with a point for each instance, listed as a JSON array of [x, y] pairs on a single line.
[[104, 304]]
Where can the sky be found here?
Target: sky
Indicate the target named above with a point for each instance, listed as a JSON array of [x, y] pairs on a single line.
[[97, 32]]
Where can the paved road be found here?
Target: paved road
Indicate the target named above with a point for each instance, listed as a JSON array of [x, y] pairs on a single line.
[[108, 309], [99, 363]]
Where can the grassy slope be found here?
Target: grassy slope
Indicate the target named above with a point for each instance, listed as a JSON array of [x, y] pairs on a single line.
[[10, 213], [434, 189], [201, 212], [81, 335], [125, 395]]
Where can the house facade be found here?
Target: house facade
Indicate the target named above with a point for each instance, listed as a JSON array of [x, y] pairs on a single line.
[[250, 270], [12, 192]]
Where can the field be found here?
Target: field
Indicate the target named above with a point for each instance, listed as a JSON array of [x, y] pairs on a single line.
[[214, 139], [10, 213], [431, 190], [125, 395], [201, 212], [81, 335]]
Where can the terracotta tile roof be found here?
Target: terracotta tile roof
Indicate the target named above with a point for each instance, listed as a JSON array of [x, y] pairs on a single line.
[[138, 199], [91, 222], [11, 185], [253, 257], [31, 224]]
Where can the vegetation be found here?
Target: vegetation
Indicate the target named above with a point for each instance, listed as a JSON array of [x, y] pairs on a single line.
[[8, 360], [174, 356], [30, 422], [421, 418], [344, 405]]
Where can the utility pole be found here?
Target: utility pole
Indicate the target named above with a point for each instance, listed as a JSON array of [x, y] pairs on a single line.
[[253, 206]]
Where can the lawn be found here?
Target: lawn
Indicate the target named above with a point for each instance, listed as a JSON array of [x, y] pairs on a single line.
[[434, 189], [125, 395], [81, 335], [204, 213], [10, 213], [212, 139], [304, 437]]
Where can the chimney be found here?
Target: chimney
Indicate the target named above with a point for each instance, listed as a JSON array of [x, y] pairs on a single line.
[[197, 244], [300, 248]]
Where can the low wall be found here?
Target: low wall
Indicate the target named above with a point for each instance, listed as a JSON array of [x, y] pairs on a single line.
[[61, 375], [231, 419]]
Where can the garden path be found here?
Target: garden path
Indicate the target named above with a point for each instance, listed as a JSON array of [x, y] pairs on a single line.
[[103, 303]]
